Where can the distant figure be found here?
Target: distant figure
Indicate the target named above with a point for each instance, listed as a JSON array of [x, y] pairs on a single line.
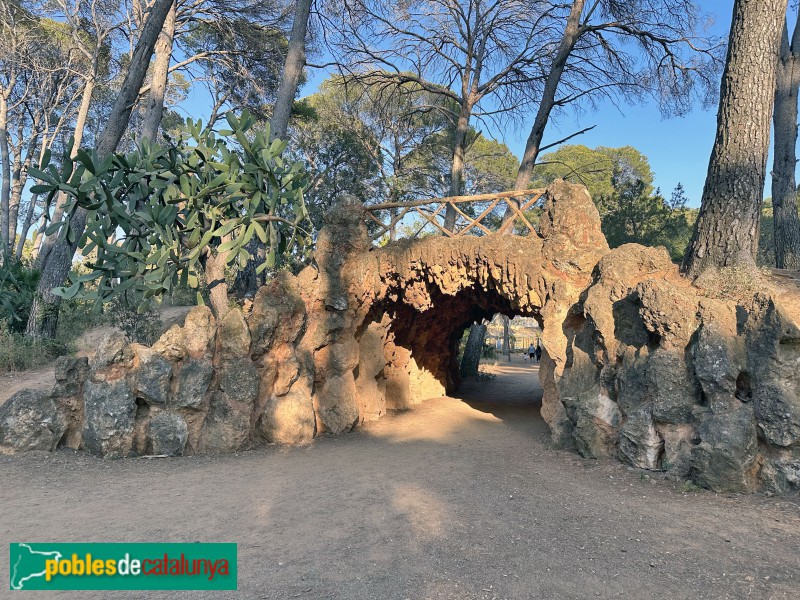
[[531, 352], [538, 353]]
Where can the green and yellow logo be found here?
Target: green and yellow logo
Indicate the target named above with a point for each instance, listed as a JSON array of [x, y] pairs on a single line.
[[123, 566]]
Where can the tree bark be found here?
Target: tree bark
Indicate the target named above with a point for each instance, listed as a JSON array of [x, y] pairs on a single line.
[[5, 170], [10, 234], [83, 111], [292, 70], [46, 243], [506, 338], [457, 166], [473, 350], [44, 311], [247, 280], [572, 32], [26, 226], [214, 267], [19, 178], [160, 77], [784, 190], [726, 232]]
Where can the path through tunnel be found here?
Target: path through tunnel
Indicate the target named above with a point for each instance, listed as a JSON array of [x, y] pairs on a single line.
[[421, 351]]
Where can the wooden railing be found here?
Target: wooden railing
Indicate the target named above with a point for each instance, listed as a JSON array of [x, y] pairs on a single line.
[[512, 204]]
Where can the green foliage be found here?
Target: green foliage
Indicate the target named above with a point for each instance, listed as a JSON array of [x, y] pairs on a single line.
[[243, 61], [766, 236], [142, 327], [490, 166], [488, 352], [156, 214], [630, 214], [19, 352], [620, 182], [595, 168], [341, 152], [17, 288], [390, 144]]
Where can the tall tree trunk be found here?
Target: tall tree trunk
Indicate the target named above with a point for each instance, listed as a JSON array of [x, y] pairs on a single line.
[[46, 243], [26, 226], [292, 70], [247, 280], [160, 77], [477, 333], [44, 311], [5, 172], [784, 191], [47, 143], [726, 232], [506, 338], [572, 32], [214, 267], [39, 238], [19, 178], [10, 234], [83, 112], [473, 350], [457, 166]]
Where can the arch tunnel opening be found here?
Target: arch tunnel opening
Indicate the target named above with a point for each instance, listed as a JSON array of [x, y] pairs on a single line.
[[419, 353]]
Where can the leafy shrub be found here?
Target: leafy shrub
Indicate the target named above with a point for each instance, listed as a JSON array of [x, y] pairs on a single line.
[[161, 214], [17, 288], [20, 353], [140, 326]]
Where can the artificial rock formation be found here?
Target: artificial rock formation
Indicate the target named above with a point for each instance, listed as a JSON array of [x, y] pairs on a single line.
[[638, 363]]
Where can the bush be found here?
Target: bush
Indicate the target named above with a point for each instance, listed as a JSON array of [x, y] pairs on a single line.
[[20, 353], [17, 288], [140, 326], [161, 214]]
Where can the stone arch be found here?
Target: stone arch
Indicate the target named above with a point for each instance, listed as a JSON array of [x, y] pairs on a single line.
[[414, 298], [639, 363], [421, 320]]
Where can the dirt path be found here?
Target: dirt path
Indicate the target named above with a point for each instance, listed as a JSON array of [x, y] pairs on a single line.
[[454, 500]]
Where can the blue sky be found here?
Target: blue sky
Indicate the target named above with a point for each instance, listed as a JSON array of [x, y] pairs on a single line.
[[678, 148]]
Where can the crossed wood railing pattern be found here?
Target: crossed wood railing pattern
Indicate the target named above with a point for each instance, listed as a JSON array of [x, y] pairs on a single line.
[[433, 211]]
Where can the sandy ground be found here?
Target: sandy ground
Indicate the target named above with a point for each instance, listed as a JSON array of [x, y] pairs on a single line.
[[458, 499], [37, 379]]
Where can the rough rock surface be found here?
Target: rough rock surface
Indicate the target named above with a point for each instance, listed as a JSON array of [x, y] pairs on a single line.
[[191, 382], [109, 418], [30, 421], [289, 419], [638, 363], [150, 375], [168, 434], [71, 374]]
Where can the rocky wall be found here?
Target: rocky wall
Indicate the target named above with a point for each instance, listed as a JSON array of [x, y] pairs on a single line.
[[638, 363]]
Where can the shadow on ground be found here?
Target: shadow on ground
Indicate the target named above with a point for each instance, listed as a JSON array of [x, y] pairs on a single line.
[[457, 499]]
